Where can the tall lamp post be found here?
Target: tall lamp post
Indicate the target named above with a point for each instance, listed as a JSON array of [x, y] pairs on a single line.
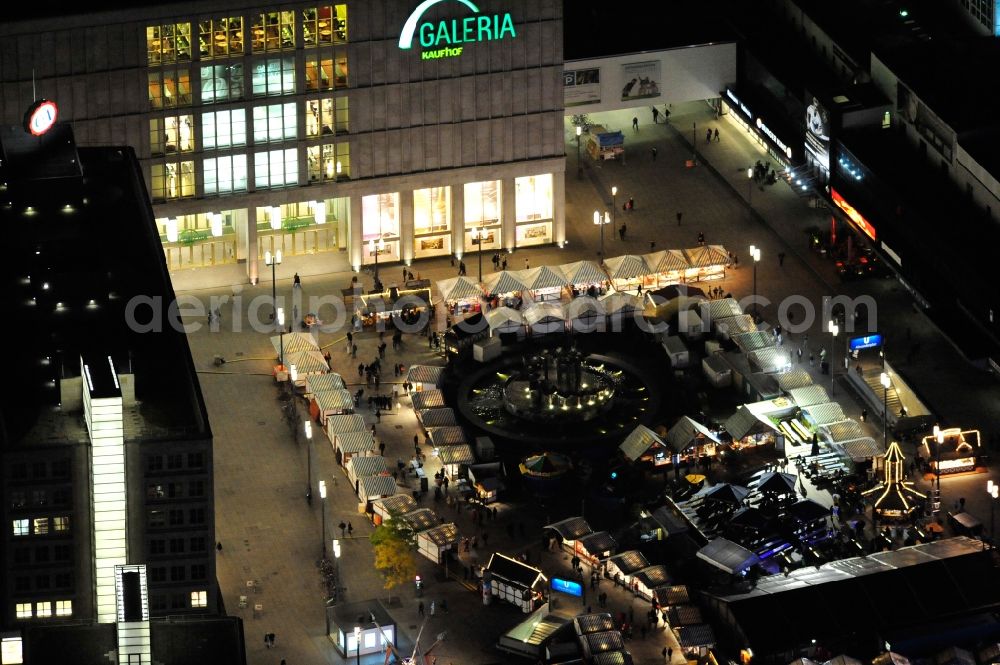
[[755, 255], [357, 641], [478, 234], [750, 187], [281, 336], [994, 491], [602, 222], [375, 250], [579, 166], [886, 382], [322, 496], [273, 260], [614, 204], [308, 426], [834, 330]]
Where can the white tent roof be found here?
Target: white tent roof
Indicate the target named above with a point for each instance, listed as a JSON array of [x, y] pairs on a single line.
[[505, 281], [293, 343], [666, 261], [397, 504], [583, 272], [685, 431], [809, 396], [845, 430], [437, 417], [824, 414], [541, 311], [796, 378], [861, 449], [584, 307], [334, 400], [706, 256], [770, 360], [376, 486], [355, 442], [751, 341], [727, 555], [628, 266], [424, 374], [441, 535], [347, 422], [307, 362], [371, 465], [639, 441], [427, 399], [618, 301], [746, 422], [329, 381], [459, 288], [724, 308], [460, 454], [734, 325], [503, 316], [543, 277], [448, 436]]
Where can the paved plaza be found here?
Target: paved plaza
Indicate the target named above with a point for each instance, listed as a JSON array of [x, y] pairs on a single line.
[[271, 535]]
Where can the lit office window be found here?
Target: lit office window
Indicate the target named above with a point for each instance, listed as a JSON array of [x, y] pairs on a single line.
[[171, 134], [169, 88], [64, 608], [21, 528], [224, 129], [380, 213], [330, 161], [276, 122], [324, 25], [273, 31], [43, 609], [482, 203], [173, 180], [60, 524], [326, 116], [274, 76], [431, 210], [276, 168], [325, 72], [199, 599], [168, 43], [40, 526], [221, 83], [220, 37], [533, 197], [23, 611], [226, 174]]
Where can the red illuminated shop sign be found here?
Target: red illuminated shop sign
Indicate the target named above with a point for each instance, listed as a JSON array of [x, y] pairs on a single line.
[[852, 214]]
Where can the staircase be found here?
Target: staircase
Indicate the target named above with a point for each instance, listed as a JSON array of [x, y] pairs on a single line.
[[891, 401]]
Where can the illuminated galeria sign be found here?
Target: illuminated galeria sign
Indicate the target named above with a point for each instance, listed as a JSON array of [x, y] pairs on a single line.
[[40, 117], [444, 39], [852, 214], [774, 137]]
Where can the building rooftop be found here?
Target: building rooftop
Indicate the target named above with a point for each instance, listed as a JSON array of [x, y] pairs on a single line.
[[79, 250]]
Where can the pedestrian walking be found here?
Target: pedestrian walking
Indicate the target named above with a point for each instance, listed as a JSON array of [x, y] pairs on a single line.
[[679, 214], [656, 114], [708, 135], [350, 529], [420, 608], [701, 238], [715, 134], [654, 153], [781, 259], [864, 415], [635, 124], [343, 528], [621, 232], [432, 608], [665, 658], [354, 350], [461, 268], [267, 640], [527, 265], [503, 264], [296, 281]]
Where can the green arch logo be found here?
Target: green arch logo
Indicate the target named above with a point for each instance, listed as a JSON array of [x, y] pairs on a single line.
[[410, 27]]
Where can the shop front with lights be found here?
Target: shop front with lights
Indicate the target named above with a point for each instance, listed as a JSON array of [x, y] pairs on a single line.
[[765, 126]]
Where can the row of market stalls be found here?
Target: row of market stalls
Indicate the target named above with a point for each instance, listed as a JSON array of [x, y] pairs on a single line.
[[463, 295], [434, 536], [583, 314]]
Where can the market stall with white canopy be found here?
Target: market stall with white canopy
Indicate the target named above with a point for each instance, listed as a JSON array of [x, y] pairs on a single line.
[[422, 377], [545, 317], [504, 321], [729, 326], [453, 457], [620, 307], [371, 488], [293, 342], [348, 444], [303, 364], [544, 283], [505, 288], [427, 399], [347, 422], [447, 436], [329, 381], [627, 272], [666, 267], [584, 278], [361, 466], [390, 507], [433, 543], [429, 418], [326, 403], [461, 295], [585, 315], [707, 262]]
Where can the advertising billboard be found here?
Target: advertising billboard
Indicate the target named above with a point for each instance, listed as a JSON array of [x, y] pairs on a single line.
[[852, 214], [642, 80], [582, 86], [818, 135]]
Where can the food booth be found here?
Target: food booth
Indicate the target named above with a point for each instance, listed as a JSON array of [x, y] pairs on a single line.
[[447, 436], [435, 542], [544, 283], [718, 372], [427, 399], [349, 422], [486, 481], [348, 444], [319, 382], [957, 453], [429, 418], [516, 582], [584, 278], [419, 519], [625, 564], [627, 272], [723, 308], [465, 334], [303, 364], [797, 378], [690, 324], [326, 403], [620, 307], [462, 296], [406, 302], [594, 547], [585, 315], [752, 341], [770, 360], [676, 351], [603, 144], [706, 262], [729, 326], [293, 342], [423, 377], [646, 580], [689, 437], [750, 427], [360, 466], [504, 288], [371, 488], [390, 507], [644, 445], [667, 267], [453, 457], [544, 318], [569, 531], [505, 321], [809, 396], [824, 414]]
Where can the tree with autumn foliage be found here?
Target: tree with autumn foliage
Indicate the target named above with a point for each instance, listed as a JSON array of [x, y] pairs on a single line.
[[394, 543]]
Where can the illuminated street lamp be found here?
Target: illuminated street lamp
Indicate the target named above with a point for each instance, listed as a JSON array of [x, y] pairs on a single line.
[[755, 255], [281, 336], [308, 426], [273, 260], [994, 491], [834, 331], [614, 204], [886, 382], [322, 497], [357, 641], [602, 222], [579, 166], [750, 187], [478, 234]]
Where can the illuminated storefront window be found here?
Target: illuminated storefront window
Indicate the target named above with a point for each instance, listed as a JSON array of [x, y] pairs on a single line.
[[200, 240], [199, 599], [169, 88], [274, 76], [324, 25], [221, 83], [224, 175], [43, 609], [326, 72], [380, 216], [64, 608], [432, 210], [276, 122], [220, 37], [273, 31], [482, 203], [307, 227], [224, 129], [276, 168], [330, 161], [326, 116], [168, 43], [173, 180], [23, 611], [171, 134], [533, 197]]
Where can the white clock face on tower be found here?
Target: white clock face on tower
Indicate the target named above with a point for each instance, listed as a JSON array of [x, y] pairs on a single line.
[[42, 117]]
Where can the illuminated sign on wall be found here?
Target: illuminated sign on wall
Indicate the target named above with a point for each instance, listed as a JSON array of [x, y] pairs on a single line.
[[736, 100], [774, 137], [443, 39], [40, 117], [566, 586], [852, 214], [868, 342]]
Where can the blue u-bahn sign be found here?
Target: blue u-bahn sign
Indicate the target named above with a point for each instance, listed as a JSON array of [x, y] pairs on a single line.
[[566, 586], [869, 342]]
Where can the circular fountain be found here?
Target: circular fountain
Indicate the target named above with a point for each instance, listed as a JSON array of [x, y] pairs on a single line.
[[558, 386]]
